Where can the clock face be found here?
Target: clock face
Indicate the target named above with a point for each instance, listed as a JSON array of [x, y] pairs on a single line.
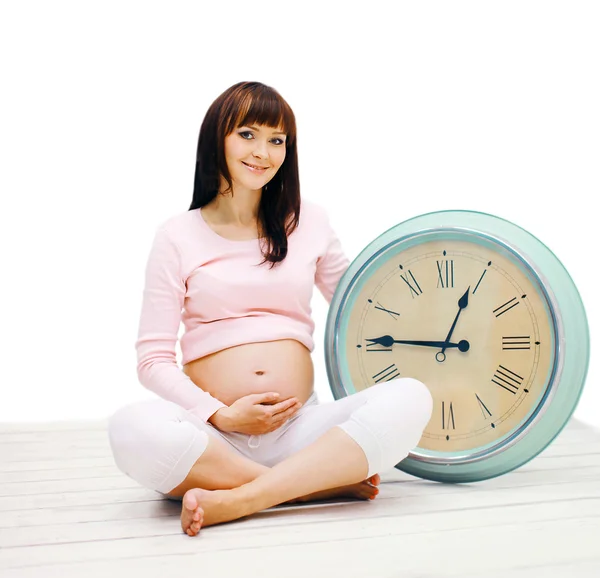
[[490, 375]]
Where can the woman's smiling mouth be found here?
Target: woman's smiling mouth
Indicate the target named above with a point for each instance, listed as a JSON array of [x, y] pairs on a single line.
[[254, 168]]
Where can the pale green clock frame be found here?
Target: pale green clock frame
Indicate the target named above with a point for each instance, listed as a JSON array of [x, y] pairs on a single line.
[[570, 332]]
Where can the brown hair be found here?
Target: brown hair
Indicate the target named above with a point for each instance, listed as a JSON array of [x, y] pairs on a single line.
[[246, 103]]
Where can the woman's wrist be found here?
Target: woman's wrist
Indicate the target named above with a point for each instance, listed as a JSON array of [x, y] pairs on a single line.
[[221, 419]]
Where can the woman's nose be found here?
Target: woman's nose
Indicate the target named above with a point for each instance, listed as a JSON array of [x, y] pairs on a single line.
[[260, 149]]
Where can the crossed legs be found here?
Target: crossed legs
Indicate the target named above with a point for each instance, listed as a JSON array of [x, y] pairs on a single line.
[[336, 445], [220, 468], [334, 462]]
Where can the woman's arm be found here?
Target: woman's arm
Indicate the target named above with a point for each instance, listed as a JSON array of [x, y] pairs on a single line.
[[332, 264], [162, 303]]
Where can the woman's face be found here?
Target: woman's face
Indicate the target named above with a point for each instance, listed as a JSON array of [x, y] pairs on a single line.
[[254, 154]]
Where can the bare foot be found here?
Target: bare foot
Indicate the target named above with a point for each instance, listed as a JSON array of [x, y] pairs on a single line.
[[192, 515], [365, 490], [200, 508]]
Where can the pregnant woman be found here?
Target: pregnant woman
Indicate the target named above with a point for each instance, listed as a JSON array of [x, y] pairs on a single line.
[[238, 428]]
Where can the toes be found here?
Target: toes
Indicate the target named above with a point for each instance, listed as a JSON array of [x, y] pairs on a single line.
[[372, 493], [366, 491], [375, 480], [193, 529], [189, 501], [197, 523]]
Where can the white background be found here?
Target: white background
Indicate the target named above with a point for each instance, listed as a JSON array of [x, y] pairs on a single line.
[[402, 109]]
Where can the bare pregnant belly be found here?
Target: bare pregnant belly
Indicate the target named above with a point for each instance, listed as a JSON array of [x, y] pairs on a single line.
[[283, 366]]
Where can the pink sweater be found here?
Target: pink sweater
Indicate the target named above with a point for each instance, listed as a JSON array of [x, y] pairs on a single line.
[[212, 284]]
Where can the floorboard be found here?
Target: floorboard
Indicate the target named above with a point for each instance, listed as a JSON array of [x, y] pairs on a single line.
[[66, 510]]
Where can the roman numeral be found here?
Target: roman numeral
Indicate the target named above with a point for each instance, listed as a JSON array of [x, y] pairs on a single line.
[[507, 379], [445, 274], [514, 343], [483, 407], [417, 291], [387, 374], [506, 307], [392, 313], [450, 419]]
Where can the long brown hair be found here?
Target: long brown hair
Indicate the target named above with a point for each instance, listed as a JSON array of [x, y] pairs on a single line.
[[246, 103]]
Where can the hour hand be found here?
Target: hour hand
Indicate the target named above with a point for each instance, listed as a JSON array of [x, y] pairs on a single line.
[[388, 340]]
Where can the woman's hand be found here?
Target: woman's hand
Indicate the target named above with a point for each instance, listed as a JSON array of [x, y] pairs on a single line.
[[255, 414]]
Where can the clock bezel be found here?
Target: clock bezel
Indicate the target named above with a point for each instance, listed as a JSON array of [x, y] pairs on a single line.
[[519, 446]]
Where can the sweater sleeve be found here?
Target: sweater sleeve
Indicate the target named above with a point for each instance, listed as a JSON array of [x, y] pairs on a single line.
[[331, 265], [160, 318]]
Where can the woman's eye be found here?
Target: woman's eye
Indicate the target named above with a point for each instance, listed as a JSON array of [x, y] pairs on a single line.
[[247, 135]]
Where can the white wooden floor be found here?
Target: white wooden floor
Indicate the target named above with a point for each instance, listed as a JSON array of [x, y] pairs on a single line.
[[65, 510]]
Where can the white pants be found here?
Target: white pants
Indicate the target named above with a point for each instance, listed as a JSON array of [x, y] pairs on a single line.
[[157, 442]]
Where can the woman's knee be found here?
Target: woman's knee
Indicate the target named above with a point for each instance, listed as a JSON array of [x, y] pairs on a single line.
[[392, 422], [420, 398], [408, 393], [130, 430], [149, 438], [133, 424]]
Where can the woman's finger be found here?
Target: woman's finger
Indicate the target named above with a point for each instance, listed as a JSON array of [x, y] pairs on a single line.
[[284, 405], [284, 415]]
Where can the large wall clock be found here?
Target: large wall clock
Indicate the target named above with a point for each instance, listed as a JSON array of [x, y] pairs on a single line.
[[486, 316]]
